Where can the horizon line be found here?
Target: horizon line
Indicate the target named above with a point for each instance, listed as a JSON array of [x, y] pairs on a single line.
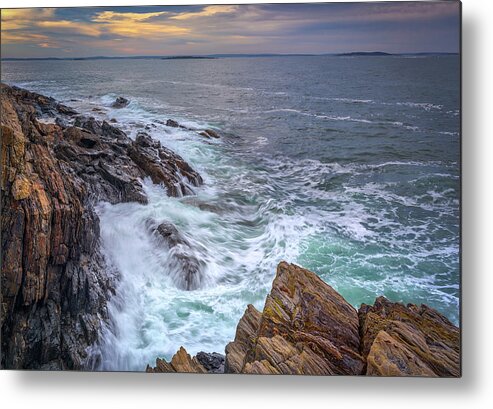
[[341, 54]]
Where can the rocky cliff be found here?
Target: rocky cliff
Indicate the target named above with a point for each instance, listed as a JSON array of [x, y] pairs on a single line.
[[55, 165], [307, 328]]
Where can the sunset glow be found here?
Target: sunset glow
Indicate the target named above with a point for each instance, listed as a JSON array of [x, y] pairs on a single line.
[[177, 30]]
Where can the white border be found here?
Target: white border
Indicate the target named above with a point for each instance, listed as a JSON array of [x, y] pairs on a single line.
[[129, 390]]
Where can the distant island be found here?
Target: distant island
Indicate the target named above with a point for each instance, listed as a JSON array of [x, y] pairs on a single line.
[[364, 53], [215, 56], [189, 57]]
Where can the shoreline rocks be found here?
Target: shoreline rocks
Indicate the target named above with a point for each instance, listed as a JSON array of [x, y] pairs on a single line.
[[56, 165], [120, 102], [307, 328], [206, 133]]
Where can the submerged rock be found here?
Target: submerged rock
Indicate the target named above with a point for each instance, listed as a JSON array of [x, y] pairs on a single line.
[[173, 124], [120, 102], [209, 133], [185, 268]]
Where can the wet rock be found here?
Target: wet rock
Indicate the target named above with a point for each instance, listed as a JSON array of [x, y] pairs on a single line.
[[169, 233], [55, 282], [50, 250], [89, 124], [120, 102], [163, 166], [212, 362], [209, 133], [184, 267], [308, 328], [410, 340], [180, 362], [172, 124]]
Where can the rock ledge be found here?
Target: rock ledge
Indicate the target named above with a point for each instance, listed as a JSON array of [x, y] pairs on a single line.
[[307, 328]]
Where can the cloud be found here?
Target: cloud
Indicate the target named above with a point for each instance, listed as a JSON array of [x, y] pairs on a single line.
[[284, 28], [112, 16], [140, 25], [63, 26], [206, 12], [15, 19]]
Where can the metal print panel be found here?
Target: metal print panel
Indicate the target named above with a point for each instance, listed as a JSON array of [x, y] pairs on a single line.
[[232, 189]]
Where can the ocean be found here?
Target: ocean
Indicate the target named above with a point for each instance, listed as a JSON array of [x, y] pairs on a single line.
[[347, 166]]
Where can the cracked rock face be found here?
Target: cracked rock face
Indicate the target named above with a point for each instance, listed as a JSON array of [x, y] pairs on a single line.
[[408, 340], [306, 328], [55, 282]]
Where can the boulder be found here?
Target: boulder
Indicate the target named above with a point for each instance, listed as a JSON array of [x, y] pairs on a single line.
[[120, 102], [212, 362], [173, 124], [183, 266]]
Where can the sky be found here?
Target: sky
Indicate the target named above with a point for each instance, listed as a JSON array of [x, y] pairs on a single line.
[[398, 27]]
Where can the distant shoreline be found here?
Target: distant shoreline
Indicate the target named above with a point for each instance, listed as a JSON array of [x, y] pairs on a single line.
[[216, 56]]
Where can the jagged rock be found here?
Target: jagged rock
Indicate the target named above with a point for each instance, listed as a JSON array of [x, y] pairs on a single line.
[[305, 328], [50, 253], [241, 349], [213, 362], [120, 102], [209, 133], [308, 328], [408, 340], [163, 165], [55, 282], [180, 362]]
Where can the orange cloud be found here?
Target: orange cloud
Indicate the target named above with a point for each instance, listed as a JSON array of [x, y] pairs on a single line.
[[15, 19], [137, 24], [112, 16], [65, 25], [206, 12]]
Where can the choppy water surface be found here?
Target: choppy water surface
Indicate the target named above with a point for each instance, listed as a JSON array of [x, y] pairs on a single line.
[[346, 166]]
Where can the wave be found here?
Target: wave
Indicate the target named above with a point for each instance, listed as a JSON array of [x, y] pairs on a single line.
[[427, 106]]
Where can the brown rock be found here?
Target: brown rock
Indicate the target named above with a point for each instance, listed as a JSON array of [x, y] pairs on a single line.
[[21, 188], [389, 357], [180, 362], [414, 340], [55, 282], [243, 345], [305, 328]]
